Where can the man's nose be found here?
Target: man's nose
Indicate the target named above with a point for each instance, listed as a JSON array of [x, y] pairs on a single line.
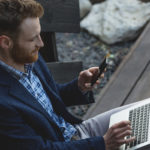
[[40, 42]]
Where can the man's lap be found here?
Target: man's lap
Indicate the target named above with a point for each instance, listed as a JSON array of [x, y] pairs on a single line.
[[98, 125]]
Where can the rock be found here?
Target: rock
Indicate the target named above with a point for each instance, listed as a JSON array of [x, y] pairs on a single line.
[[116, 20], [85, 7]]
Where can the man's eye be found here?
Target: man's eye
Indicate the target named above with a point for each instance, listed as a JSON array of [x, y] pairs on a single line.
[[31, 40]]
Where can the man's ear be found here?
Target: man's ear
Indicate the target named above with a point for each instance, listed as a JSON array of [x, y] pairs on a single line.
[[6, 42]]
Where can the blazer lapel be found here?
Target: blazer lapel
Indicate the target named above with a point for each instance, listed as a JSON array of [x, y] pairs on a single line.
[[20, 92], [16, 89]]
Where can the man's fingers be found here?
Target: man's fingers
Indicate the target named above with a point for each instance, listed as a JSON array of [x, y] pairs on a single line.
[[94, 70], [119, 127], [130, 139], [116, 135], [123, 131], [102, 75], [89, 74], [88, 85], [121, 124], [86, 77], [124, 141], [85, 74]]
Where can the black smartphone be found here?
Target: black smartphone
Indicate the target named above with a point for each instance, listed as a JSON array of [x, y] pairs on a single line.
[[102, 67]]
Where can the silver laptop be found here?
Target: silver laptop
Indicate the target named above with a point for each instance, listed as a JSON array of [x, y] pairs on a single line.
[[139, 115]]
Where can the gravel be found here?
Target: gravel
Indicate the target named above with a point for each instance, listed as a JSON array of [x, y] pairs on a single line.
[[88, 49]]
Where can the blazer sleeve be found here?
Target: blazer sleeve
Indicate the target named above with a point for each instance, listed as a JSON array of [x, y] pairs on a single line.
[[16, 134], [69, 92], [71, 95]]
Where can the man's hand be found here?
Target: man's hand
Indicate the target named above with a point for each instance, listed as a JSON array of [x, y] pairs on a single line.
[[115, 136], [85, 78]]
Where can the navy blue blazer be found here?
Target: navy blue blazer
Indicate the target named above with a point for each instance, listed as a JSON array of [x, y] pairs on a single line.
[[25, 125]]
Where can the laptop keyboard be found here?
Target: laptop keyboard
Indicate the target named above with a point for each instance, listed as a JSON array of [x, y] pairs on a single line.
[[139, 118]]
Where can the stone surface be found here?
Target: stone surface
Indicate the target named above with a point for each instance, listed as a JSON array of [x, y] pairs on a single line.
[[116, 20], [85, 7]]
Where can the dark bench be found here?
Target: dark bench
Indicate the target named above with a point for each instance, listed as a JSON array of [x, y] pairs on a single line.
[[65, 71]]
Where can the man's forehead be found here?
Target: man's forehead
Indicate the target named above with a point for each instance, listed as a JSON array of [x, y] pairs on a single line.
[[30, 26]]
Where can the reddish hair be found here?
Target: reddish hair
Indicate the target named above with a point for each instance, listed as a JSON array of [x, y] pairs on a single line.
[[13, 12]]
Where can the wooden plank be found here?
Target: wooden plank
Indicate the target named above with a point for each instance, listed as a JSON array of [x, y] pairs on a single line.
[[142, 88], [65, 71], [124, 79]]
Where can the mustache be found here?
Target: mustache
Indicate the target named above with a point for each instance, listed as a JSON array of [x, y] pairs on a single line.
[[36, 49]]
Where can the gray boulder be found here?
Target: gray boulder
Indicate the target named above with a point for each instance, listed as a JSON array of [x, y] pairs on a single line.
[[116, 20], [85, 7]]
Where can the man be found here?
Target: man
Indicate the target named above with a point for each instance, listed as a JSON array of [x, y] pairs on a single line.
[[33, 114]]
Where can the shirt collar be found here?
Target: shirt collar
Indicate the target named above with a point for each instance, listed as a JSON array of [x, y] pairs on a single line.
[[16, 73]]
